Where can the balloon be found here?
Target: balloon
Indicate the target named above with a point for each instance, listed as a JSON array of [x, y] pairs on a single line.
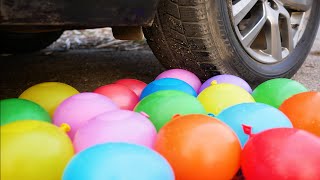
[[274, 92], [116, 126], [168, 84], [227, 78], [120, 95], [257, 117], [112, 161], [217, 97], [20, 109], [303, 111], [183, 75], [49, 94], [199, 147], [282, 153], [135, 85], [33, 150], [162, 105], [78, 109]]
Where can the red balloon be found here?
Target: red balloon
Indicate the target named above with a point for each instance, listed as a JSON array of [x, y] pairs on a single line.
[[135, 85], [282, 153], [119, 94]]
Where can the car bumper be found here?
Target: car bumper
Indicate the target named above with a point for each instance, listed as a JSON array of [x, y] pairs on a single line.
[[79, 13]]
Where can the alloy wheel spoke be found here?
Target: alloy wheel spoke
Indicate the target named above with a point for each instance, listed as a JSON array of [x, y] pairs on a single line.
[[269, 30], [273, 36], [241, 9], [253, 33], [287, 36]]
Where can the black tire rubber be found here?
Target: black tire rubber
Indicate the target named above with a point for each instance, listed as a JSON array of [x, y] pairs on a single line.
[[13, 42], [198, 35]]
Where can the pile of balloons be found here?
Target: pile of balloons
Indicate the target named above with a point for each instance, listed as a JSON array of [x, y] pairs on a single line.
[[175, 127]]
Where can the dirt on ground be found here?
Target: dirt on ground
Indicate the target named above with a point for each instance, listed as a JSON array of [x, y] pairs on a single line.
[[87, 59]]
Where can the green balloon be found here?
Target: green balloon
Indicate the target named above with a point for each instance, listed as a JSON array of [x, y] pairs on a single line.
[[274, 92], [20, 109], [162, 105]]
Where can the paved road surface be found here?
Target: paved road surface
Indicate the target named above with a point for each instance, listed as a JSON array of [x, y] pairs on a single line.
[[88, 69], [309, 74]]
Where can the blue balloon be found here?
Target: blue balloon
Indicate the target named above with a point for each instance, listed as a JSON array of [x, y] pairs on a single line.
[[118, 161], [258, 116], [167, 84]]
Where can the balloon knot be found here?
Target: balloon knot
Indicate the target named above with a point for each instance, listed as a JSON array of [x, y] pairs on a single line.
[[144, 114], [247, 129], [65, 127], [214, 82], [211, 114], [175, 116]]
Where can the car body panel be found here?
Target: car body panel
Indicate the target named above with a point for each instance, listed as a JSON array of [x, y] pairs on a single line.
[[77, 13]]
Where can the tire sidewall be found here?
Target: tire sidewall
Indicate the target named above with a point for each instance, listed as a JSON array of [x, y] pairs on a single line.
[[286, 67]]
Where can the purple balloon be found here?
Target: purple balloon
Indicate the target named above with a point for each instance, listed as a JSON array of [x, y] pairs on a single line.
[[227, 78]]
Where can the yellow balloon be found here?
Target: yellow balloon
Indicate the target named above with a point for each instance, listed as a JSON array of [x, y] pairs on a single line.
[[217, 97], [49, 94], [34, 150]]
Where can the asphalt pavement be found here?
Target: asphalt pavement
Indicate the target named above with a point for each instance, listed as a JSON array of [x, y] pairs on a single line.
[[309, 74], [87, 69]]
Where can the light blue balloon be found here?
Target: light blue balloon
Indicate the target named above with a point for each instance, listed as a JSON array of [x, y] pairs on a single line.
[[167, 84], [118, 161], [258, 116]]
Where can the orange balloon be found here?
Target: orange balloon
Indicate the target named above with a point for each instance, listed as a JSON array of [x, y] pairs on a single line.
[[199, 147], [303, 110]]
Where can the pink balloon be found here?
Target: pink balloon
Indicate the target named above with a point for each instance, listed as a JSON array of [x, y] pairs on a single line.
[[183, 75], [79, 108], [116, 126]]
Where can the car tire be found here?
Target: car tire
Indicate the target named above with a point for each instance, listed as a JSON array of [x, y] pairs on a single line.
[[198, 35], [14, 42]]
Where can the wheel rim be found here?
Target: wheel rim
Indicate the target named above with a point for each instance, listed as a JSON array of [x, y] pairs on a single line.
[[269, 30]]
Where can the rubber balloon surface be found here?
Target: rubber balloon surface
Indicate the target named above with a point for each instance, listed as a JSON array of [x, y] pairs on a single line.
[[162, 105], [49, 94], [34, 150], [274, 92], [256, 116], [15, 109], [112, 161], [303, 110], [78, 109], [199, 147], [282, 153], [218, 97], [116, 126], [183, 75]]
